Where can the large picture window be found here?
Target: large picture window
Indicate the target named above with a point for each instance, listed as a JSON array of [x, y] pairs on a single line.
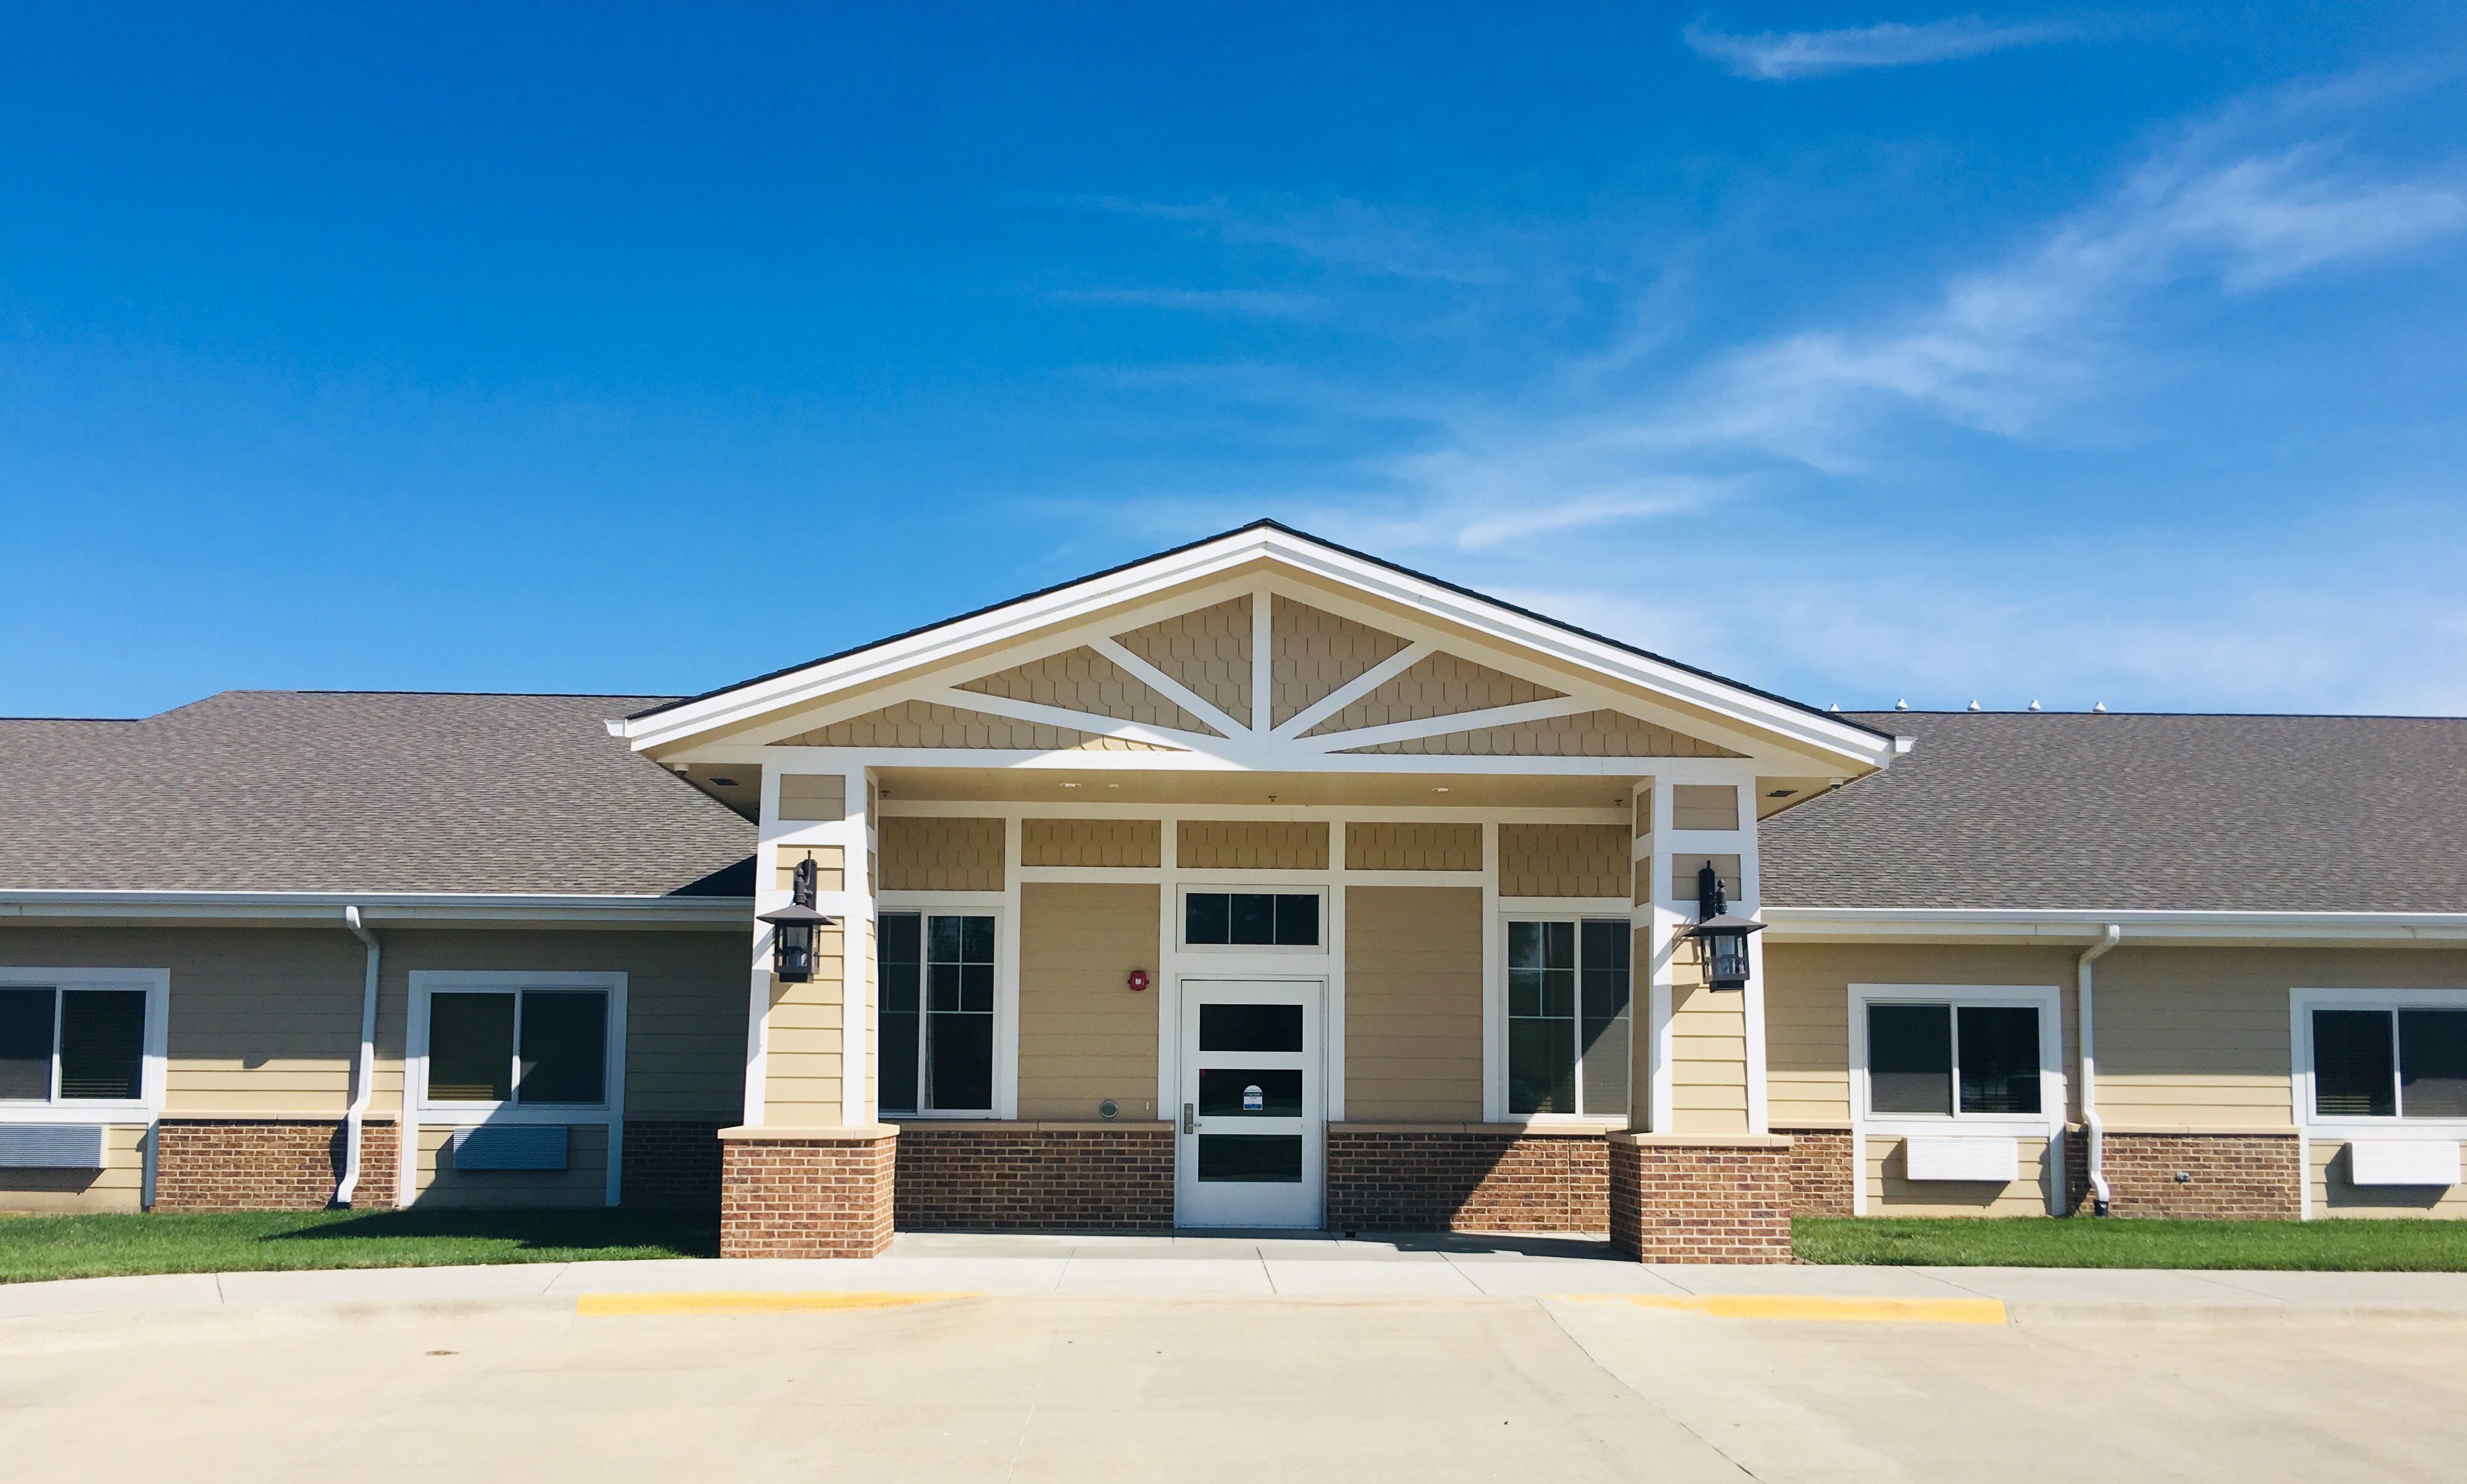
[[2390, 1063], [529, 1047], [1568, 1017], [1949, 1060], [62, 1045], [938, 1012]]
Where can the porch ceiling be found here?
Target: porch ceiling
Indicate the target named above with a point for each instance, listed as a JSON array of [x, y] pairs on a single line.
[[1116, 786]]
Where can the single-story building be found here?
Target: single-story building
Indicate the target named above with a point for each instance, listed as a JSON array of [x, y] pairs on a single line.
[[1260, 883]]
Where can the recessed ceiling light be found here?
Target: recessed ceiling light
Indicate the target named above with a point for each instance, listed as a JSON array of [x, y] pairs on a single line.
[[1069, 785], [1439, 791]]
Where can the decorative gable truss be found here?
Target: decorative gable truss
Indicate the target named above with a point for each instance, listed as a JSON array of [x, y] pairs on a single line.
[[1274, 677], [1262, 650]]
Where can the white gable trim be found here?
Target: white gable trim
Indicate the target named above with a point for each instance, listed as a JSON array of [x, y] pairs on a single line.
[[1510, 631]]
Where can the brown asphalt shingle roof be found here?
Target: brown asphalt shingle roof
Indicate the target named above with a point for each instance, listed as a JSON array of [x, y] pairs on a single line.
[[316, 791], [2058, 810]]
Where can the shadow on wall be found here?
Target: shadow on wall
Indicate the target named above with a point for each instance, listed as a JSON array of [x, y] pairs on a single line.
[[2344, 1194], [688, 1233]]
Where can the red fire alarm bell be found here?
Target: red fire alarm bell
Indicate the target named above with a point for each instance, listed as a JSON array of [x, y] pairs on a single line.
[[1139, 980]]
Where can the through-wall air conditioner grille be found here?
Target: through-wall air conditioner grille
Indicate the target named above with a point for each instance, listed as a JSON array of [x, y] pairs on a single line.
[[511, 1146]]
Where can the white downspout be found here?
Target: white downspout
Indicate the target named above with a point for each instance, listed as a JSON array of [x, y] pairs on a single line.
[[364, 1066], [2092, 1129]]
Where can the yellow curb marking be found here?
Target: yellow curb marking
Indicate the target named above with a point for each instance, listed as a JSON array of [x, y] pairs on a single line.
[[1807, 1307], [601, 1305]]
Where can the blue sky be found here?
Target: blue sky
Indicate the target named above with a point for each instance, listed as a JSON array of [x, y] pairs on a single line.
[[2034, 354]]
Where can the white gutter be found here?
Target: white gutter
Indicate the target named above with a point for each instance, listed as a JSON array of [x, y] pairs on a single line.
[[364, 1066], [318, 908], [1841, 924], [2092, 1129]]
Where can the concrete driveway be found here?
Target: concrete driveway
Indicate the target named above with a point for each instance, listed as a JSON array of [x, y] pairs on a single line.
[[514, 1383]]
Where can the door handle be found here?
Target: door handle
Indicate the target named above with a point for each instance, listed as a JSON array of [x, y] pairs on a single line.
[[1189, 1119]]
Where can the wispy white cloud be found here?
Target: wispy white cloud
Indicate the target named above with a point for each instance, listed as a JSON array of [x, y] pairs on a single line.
[[1264, 303], [1780, 57], [1344, 233], [2001, 348]]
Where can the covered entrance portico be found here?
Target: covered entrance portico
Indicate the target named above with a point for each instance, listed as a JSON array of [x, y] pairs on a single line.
[[1257, 885]]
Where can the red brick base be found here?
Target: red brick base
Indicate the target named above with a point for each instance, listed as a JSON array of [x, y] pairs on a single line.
[[2232, 1177], [1456, 1180], [1710, 1201], [958, 1177], [825, 1196], [672, 1164], [1822, 1181], [233, 1165]]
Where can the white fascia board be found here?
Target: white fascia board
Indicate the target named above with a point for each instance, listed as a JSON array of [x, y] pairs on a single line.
[[2073, 925], [322, 906], [744, 703]]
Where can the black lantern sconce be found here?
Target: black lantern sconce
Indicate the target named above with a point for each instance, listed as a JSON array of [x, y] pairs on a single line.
[[1721, 934], [792, 937]]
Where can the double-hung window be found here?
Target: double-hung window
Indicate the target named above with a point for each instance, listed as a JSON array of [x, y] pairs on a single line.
[[520, 1047], [2389, 1062], [1567, 1017], [938, 1012], [63, 1045], [1946, 1059]]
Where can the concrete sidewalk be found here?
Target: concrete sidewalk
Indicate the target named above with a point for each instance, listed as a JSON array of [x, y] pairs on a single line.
[[1451, 1267]]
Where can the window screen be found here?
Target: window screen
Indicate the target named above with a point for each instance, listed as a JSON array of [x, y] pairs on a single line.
[[564, 1039], [1910, 1059], [1259, 919], [103, 1044], [2352, 1064], [470, 1047], [26, 1043], [1999, 1054]]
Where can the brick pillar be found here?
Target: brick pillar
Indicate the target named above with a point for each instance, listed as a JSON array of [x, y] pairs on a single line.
[[806, 1192], [1678, 1198]]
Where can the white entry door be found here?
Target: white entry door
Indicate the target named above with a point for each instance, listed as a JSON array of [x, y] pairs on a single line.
[[1254, 1139]]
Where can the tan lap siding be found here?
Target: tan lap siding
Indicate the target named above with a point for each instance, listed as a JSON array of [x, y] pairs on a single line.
[[1413, 1004], [1807, 1010], [2198, 1037], [263, 1021], [1084, 1035], [801, 1068], [685, 993], [1891, 1194], [582, 1183], [2334, 1195], [118, 1186], [1708, 1056]]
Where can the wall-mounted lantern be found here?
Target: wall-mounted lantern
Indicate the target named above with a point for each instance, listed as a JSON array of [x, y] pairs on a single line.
[[792, 937], [1722, 933]]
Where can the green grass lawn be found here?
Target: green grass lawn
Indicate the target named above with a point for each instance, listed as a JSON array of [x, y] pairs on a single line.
[[2393, 1246], [89, 1247]]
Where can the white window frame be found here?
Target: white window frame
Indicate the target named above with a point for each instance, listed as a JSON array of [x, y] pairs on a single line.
[[2302, 1003], [419, 1109], [1183, 891], [1004, 1080], [1578, 910], [2047, 999], [153, 1073]]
